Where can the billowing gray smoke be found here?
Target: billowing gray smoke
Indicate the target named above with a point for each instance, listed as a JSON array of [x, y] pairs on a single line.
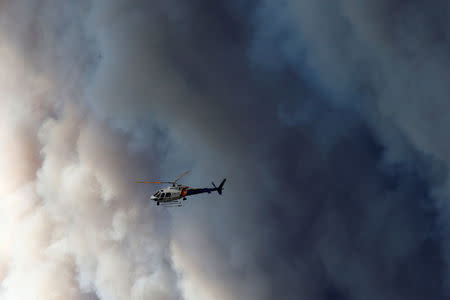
[[328, 118]]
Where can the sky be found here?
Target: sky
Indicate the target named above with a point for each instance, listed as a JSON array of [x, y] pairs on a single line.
[[329, 120]]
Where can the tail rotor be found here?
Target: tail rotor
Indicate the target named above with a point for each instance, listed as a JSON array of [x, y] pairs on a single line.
[[220, 188]]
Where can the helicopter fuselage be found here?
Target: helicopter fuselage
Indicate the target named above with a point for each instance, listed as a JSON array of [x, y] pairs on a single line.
[[170, 193]]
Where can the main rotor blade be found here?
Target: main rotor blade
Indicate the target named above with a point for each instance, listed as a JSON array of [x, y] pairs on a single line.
[[179, 177], [154, 182], [173, 182]]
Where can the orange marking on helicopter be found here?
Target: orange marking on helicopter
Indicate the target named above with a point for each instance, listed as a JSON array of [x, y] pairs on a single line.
[[183, 192]]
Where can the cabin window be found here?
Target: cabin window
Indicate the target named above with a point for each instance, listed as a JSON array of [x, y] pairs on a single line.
[[167, 194], [162, 195]]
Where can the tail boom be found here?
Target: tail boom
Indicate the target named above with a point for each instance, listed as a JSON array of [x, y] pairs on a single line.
[[194, 191]]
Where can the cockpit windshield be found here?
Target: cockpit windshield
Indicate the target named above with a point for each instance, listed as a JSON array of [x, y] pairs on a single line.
[[157, 194]]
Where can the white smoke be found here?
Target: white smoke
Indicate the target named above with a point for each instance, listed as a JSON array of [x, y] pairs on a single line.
[[72, 223]]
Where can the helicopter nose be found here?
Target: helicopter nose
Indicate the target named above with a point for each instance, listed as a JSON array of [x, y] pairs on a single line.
[[152, 198]]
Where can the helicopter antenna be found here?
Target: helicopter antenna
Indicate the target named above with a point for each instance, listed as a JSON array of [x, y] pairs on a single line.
[[172, 182]]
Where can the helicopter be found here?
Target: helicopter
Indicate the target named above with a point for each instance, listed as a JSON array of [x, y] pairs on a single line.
[[171, 195]]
